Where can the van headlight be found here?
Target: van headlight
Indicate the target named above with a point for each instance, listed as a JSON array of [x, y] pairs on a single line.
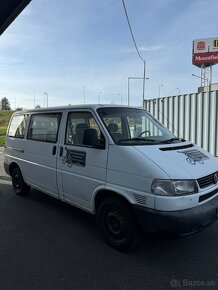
[[174, 187]]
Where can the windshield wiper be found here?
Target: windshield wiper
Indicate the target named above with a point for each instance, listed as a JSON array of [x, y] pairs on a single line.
[[137, 139], [173, 139]]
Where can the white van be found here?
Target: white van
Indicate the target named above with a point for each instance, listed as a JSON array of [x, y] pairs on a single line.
[[117, 162]]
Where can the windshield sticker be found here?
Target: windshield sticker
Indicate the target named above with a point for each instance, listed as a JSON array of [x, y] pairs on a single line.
[[194, 156]]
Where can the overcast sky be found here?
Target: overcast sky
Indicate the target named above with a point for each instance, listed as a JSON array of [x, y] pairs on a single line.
[[71, 47]]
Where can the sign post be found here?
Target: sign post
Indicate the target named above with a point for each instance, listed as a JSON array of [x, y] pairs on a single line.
[[204, 56]]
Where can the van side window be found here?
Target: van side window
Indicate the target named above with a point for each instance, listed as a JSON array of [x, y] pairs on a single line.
[[17, 127], [44, 127], [80, 126]]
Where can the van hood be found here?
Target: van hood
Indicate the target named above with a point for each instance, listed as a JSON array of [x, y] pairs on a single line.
[[181, 160]]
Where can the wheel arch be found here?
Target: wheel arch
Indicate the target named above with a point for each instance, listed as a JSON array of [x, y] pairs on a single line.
[[105, 193], [12, 166]]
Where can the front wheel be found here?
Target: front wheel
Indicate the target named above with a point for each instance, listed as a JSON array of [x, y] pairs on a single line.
[[19, 185], [117, 224]]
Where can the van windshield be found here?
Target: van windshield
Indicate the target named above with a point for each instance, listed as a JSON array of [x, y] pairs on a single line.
[[132, 126]]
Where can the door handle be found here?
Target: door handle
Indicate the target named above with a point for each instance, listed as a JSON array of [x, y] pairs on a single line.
[[61, 151], [54, 149]]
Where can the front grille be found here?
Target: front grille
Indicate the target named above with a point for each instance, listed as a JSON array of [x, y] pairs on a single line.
[[208, 195], [206, 180]]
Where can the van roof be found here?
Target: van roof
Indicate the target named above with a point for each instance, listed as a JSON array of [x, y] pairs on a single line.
[[58, 108]]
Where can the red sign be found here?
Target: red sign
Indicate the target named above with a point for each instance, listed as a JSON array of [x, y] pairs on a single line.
[[201, 45], [205, 58]]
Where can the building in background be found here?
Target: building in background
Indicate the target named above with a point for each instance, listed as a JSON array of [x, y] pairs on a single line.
[[213, 87]]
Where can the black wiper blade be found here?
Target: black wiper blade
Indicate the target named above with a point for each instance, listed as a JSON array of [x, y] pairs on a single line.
[[137, 139], [173, 139]]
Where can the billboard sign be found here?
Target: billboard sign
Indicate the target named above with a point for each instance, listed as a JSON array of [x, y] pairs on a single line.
[[207, 57], [205, 51]]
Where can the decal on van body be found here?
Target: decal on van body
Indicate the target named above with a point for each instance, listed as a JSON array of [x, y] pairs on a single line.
[[74, 157], [194, 156]]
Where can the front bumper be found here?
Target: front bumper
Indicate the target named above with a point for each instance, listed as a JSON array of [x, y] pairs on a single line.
[[182, 222]]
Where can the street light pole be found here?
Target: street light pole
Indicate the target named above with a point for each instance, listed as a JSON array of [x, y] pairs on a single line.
[[120, 98], [136, 78], [46, 98], [84, 94], [206, 79], [99, 97], [128, 91], [143, 93]]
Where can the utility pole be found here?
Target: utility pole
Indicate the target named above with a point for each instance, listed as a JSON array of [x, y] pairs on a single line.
[[143, 93]]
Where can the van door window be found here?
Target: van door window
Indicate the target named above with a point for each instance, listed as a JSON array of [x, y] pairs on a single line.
[[44, 127], [18, 126], [82, 129]]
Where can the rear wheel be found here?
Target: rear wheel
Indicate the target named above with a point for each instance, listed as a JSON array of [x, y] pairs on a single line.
[[117, 224], [19, 185]]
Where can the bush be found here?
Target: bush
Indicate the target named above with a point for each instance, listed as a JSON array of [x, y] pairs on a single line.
[[2, 140], [3, 130], [5, 117]]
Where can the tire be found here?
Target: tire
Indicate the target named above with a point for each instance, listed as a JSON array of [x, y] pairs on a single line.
[[117, 224], [19, 185]]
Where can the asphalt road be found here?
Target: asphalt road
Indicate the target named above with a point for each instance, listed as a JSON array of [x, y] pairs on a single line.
[[46, 244]]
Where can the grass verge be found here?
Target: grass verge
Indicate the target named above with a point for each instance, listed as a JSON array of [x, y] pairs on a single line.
[[4, 120]]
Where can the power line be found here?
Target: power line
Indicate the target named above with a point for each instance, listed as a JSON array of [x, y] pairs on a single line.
[[130, 28], [144, 61]]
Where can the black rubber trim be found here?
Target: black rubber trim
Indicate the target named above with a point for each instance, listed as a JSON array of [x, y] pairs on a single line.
[[176, 147], [208, 195]]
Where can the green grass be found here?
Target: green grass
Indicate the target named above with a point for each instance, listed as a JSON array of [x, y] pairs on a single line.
[[2, 140], [4, 119], [3, 130]]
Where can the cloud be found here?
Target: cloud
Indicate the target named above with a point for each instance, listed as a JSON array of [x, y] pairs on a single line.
[[128, 50]]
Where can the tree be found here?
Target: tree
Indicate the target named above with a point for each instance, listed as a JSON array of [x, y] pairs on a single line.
[[5, 105], [37, 107], [19, 109]]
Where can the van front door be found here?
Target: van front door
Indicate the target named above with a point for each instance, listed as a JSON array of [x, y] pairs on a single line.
[[82, 159]]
